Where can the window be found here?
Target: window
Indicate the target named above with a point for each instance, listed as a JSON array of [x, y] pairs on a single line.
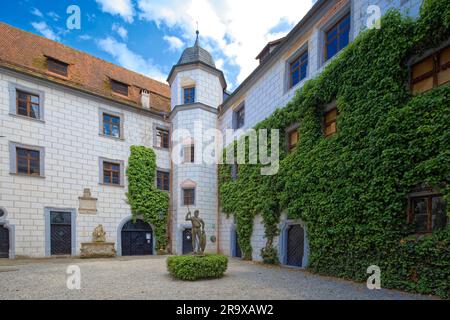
[[57, 67], [162, 138], [427, 213], [298, 68], [111, 126], [28, 104], [189, 197], [431, 72], [119, 87], [239, 117], [189, 152], [337, 37], [189, 95], [111, 172], [28, 162], [163, 180], [330, 122], [293, 137]]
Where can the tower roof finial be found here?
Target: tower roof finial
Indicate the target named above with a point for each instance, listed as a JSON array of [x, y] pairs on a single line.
[[197, 33]]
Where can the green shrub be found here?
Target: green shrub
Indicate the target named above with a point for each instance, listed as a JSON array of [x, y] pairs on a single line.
[[197, 267]]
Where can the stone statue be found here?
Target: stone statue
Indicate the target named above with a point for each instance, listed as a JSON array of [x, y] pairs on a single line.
[[198, 232], [99, 234]]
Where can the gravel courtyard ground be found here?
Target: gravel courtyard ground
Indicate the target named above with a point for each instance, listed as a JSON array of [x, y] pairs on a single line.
[[147, 278]]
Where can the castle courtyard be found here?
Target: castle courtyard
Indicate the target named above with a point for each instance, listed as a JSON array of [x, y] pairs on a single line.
[[147, 278]]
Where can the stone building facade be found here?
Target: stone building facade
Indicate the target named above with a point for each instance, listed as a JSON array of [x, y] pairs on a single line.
[[82, 94]]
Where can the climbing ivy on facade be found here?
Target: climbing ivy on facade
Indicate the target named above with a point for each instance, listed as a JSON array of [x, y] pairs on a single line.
[[146, 200], [351, 189]]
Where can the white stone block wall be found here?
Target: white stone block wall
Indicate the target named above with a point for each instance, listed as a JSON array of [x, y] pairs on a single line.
[[70, 136]]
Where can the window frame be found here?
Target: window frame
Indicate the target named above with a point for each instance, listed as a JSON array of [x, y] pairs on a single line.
[[13, 157], [289, 130], [163, 172], [299, 58], [237, 124], [14, 88], [335, 24], [192, 152], [190, 89], [55, 62], [115, 84], [193, 189], [101, 113], [428, 195], [162, 146], [330, 108], [435, 56], [121, 165]]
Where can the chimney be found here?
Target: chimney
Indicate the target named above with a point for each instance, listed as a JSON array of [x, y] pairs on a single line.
[[145, 99]]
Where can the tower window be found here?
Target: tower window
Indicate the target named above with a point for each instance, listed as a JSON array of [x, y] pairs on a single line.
[[189, 152], [189, 95], [189, 196]]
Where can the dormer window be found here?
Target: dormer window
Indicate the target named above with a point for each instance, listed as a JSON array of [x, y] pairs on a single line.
[[189, 95], [57, 67], [119, 87]]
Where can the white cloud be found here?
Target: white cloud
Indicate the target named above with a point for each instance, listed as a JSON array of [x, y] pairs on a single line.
[[36, 12], [175, 43], [234, 29], [131, 60], [123, 8], [121, 31], [45, 30], [85, 37], [53, 15]]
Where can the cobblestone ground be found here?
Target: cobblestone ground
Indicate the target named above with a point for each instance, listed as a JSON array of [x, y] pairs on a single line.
[[147, 278]]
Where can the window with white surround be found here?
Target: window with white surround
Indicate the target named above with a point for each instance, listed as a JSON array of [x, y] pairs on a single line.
[[26, 160]]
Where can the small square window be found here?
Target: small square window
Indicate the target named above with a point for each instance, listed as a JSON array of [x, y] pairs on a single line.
[[57, 67], [28, 162], [188, 197], [428, 213], [162, 138], [119, 87], [111, 126], [163, 180], [330, 122], [28, 104], [189, 95], [111, 173]]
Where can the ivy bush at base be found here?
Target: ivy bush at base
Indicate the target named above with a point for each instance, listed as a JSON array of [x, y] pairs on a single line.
[[351, 189], [192, 267]]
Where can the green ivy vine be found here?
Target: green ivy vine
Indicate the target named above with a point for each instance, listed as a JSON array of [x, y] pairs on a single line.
[[350, 189], [145, 199]]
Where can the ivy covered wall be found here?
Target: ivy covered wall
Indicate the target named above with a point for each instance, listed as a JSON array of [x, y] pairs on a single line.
[[350, 189], [145, 199]]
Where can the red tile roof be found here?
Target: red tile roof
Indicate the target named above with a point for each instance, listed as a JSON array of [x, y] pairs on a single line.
[[27, 52]]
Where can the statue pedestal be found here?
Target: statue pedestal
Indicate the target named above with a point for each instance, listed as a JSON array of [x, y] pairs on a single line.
[[97, 250]]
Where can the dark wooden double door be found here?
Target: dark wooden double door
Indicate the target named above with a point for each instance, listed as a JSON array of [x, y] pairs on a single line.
[[137, 239], [295, 245], [4, 242]]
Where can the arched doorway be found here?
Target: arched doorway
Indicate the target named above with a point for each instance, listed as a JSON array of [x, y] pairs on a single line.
[[4, 242], [137, 239]]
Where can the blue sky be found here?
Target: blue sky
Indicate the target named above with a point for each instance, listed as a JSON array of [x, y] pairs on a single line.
[[148, 36]]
